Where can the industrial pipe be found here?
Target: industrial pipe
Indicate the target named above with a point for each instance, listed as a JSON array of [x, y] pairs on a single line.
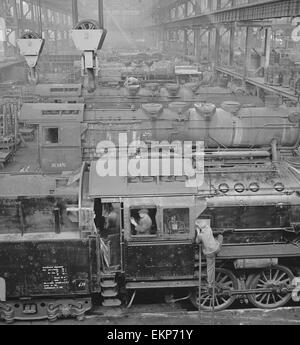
[[274, 151], [236, 154], [257, 200]]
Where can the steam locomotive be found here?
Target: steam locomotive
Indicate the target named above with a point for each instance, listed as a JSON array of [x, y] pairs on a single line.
[[69, 235], [250, 193]]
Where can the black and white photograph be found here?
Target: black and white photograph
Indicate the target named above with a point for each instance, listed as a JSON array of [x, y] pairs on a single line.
[[149, 165]]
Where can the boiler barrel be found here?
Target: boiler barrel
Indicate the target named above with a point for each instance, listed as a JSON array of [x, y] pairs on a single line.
[[249, 127], [232, 127]]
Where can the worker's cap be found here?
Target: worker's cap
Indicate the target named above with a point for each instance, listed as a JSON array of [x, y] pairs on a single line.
[[144, 210], [200, 221]]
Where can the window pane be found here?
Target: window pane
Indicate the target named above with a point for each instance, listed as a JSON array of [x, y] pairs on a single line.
[[70, 112], [50, 112], [176, 221], [51, 135], [143, 221]]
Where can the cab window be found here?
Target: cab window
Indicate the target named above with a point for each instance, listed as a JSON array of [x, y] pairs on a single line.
[[143, 221], [51, 135], [176, 221]]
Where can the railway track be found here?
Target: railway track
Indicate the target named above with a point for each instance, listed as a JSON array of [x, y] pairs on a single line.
[[166, 315]]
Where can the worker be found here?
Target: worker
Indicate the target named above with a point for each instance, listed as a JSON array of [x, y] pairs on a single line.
[[211, 247], [144, 225], [112, 227], [131, 81], [173, 225], [2, 290], [112, 219], [207, 77]]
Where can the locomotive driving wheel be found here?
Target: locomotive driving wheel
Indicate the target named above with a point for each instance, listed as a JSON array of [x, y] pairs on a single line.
[[225, 283], [277, 278]]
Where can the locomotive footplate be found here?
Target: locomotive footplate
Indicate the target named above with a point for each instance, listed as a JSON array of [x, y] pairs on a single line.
[[161, 284], [11, 311], [259, 251]]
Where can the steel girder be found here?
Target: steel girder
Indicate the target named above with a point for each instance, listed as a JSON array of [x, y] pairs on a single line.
[[255, 11], [24, 15], [184, 9]]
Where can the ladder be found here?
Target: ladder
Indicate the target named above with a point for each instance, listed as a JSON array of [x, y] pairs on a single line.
[[109, 290]]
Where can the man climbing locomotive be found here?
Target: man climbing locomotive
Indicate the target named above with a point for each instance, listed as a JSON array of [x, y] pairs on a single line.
[[211, 247]]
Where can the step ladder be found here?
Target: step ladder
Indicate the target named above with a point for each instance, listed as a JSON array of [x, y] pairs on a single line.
[[109, 290]]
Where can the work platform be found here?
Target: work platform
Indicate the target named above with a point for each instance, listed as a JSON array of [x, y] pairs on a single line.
[[248, 12], [259, 83]]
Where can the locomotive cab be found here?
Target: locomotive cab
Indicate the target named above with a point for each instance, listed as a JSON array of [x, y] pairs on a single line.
[[166, 252], [157, 247]]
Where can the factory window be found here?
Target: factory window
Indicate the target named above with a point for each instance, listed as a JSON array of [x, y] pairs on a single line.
[[143, 221], [176, 221], [51, 135]]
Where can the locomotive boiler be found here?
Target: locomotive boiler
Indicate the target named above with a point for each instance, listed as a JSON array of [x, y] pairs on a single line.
[[254, 204], [229, 127], [250, 193]]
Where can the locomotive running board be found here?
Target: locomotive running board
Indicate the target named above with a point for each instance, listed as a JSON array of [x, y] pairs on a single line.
[[231, 251], [161, 284]]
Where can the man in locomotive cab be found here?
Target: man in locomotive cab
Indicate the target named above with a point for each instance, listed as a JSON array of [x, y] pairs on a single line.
[[144, 225], [211, 246], [112, 221], [112, 228], [2, 290]]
